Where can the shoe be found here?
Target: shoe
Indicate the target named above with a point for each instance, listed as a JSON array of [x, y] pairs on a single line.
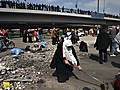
[[101, 62], [113, 55], [105, 61]]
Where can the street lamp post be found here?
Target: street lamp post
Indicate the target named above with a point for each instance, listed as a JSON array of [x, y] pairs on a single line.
[[104, 7], [98, 7], [97, 12], [76, 5]]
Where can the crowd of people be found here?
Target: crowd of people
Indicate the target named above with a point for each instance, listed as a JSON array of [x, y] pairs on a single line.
[[73, 36], [65, 57], [33, 35], [37, 6]]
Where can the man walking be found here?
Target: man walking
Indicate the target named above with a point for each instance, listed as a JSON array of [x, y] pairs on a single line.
[[40, 33], [102, 43], [113, 44], [53, 36]]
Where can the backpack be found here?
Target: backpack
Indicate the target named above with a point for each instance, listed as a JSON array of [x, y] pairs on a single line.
[[117, 38]]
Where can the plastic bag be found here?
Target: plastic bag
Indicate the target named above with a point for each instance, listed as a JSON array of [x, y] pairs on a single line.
[[34, 39], [16, 51], [43, 43]]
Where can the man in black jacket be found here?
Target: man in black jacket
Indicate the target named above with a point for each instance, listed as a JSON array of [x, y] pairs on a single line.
[[102, 43]]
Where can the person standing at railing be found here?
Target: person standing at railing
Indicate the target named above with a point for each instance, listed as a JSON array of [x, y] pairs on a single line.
[[42, 6], [49, 8], [21, 6], [39, 7], [63, 9], [18, 4], [30, 5], [52, 7], [36, 6], [57, 8], [4, 4], [13, 5], [78, 10], [71, 10]]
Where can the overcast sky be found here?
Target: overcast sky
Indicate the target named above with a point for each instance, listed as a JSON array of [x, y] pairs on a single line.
[[111, 6]]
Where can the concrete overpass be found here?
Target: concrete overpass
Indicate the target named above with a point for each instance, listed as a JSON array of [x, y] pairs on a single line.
[[23, 19]]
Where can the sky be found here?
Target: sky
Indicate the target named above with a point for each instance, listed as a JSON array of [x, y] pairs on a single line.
[[111, 6]]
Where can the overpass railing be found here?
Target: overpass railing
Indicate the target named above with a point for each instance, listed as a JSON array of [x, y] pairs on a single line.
[[44, 7]]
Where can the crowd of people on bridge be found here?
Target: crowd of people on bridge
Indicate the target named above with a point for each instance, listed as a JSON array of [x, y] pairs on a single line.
[[37, 6]]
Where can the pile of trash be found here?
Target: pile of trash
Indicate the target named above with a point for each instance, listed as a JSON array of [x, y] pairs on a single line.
[[36, 47], [19, 71]]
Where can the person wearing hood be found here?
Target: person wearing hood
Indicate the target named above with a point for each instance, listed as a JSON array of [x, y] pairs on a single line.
[[64, 57]]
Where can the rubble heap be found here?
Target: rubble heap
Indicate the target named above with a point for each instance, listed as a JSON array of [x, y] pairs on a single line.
[[19, 71]]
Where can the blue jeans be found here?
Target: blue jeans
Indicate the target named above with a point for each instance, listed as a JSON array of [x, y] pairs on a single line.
[[40, 37], [112, 46]]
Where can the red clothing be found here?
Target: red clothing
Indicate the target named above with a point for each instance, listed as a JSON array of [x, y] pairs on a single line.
[[117, 30], [3, 31], [117, 84]]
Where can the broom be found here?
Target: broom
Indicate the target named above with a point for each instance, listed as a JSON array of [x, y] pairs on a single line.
[[104, 83]]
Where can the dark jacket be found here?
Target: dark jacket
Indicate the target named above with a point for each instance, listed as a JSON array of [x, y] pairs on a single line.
[[113, 33], [40, 31], [102, 41]]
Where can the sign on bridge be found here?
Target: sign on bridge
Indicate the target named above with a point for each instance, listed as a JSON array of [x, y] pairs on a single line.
[[97, 15]]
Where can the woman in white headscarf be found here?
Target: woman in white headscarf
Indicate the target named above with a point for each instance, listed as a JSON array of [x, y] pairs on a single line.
[[63, 57]]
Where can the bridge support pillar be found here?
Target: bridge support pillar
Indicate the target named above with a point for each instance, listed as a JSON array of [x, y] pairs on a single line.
[[48, 29], [22, 27]]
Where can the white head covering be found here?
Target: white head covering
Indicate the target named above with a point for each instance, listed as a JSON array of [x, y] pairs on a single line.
[[68, 43], [68, 53]]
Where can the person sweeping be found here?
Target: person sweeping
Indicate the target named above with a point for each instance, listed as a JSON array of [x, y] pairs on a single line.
[[64, 57]]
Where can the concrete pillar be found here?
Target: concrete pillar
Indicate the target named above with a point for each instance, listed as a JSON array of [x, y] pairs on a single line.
[[49, 29], [23, 27]]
